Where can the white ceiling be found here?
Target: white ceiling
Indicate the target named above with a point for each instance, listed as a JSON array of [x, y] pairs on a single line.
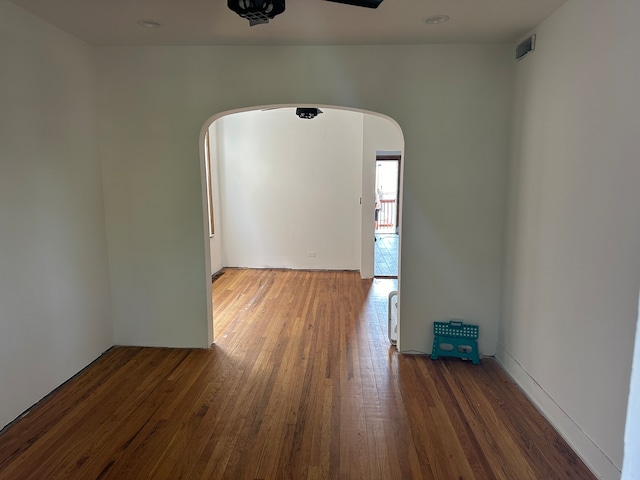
[[304, 22]]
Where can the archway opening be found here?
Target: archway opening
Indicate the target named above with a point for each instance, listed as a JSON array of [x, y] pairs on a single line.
[[284, 192]]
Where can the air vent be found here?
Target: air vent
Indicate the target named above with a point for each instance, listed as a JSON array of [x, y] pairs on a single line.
[[526, 47]]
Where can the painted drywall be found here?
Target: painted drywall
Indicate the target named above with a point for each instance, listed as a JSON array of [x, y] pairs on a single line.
[[379, 135], [572, 262], [452, 103], [55, 313], [290, 187], [215, 242]]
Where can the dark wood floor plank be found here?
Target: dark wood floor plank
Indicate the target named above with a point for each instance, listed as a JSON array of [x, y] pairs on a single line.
[[301, 384]]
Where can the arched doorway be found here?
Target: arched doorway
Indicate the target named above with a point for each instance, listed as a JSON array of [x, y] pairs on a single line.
[[293, 193]]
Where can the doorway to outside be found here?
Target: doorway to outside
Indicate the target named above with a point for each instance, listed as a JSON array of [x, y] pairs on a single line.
[[386, 227]]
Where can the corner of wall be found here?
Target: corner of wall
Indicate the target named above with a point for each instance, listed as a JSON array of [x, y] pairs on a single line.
[[578, 440]]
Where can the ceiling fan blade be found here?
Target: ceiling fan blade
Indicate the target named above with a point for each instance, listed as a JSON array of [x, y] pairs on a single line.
[[360, 3]]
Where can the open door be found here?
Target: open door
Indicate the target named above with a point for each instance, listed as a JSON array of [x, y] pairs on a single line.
[[387, 216]]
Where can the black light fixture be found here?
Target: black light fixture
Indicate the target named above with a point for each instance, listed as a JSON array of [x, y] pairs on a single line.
[[257, 11], [304, 112], [360, 3]]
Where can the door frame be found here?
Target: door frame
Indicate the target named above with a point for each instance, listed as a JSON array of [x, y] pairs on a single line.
[[393, 158]]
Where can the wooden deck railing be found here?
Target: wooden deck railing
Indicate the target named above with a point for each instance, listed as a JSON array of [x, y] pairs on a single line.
[[387, 215]]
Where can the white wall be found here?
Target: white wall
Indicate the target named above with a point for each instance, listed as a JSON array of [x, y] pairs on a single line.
[[573, 268], [289, 187], [380, 134], [215, 242], [451, 101], [54, 290]]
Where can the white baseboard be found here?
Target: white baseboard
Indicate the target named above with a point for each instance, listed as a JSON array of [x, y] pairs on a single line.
[[578, 440]]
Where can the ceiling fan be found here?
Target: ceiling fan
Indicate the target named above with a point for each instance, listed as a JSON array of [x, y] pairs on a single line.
[[261, 11]]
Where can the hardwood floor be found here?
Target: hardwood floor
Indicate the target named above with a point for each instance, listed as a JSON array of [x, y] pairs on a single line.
[[302, 384]]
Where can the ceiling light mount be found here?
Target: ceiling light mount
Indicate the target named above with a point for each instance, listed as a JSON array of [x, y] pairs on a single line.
[[436, 19], [307, 112], [149, 23], [360, 3], [257, 11]]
